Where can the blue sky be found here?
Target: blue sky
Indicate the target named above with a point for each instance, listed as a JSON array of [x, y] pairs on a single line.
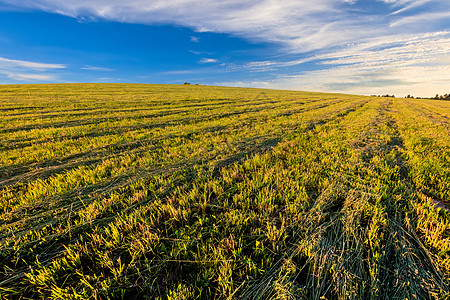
[[364, 47]]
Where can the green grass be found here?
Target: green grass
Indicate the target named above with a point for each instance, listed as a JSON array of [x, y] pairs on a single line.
[[111, 191]]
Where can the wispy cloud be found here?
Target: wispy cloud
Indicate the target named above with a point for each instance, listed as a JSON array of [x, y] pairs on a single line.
[[200, 52], [29, 64], [423, 17], [94, 68], [392, 52], [407, 5], [22, 70], [32, 77], [420, 81], [208, 60], [178, 72], [253, 66], [399, 64]]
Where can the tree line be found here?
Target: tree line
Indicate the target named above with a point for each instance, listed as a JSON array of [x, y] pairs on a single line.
[[437, 97], [442, 97]]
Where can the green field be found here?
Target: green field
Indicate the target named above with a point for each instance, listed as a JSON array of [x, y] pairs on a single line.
[[111, 191]]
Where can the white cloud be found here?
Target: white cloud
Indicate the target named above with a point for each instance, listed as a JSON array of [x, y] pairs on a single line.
[[253, 66], [200, 52], [208, 60], [427, 81], [393, 51], [94, 68], [432, 16], [400, 65], [409, 5], [423, 81], [178, 72], [29, 64], [195, 39], [22, 70], [31, 77]]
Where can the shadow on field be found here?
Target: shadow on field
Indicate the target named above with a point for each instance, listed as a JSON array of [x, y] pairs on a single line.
[[92, 121], [259, 148], [24, 173], [20, 108]]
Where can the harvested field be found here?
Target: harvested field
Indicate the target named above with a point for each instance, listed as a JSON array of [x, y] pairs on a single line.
[[111, 191]]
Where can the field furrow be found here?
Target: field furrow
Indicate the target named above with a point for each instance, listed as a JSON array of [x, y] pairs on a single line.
[[194, 192]]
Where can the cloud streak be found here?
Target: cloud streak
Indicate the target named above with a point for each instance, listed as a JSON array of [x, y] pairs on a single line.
[[22, 70], [208, 60], [29, 64], [421, 18], [253, 66], [400, 65], [94, 68], [32, 77]]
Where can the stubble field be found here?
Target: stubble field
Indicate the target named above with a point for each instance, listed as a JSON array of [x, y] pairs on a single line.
[[112, 191]]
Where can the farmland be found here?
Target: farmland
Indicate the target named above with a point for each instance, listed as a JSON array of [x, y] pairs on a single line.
[[111, 191]]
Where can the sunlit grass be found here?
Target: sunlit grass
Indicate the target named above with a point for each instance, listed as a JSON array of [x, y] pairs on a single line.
[[185, 192]]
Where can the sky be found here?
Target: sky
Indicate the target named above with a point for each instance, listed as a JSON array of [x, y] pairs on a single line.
[[362, 47]]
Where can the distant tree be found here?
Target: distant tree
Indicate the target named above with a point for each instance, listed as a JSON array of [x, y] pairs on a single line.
[[187, 83], [441, 97]]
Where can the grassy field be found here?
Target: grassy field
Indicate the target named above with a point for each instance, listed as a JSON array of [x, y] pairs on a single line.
[[112, 191]]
